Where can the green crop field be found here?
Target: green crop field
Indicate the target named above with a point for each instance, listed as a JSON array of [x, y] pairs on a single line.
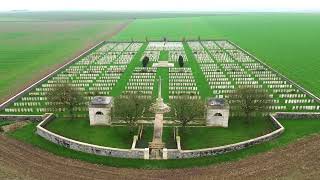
[[28, 50]]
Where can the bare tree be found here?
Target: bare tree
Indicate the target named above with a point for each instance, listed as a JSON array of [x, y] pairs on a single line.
[[129, 108], [249, 101], [65, 96], [186, 109]]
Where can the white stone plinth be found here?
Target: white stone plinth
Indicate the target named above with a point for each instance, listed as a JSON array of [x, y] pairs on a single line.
[[217, 113], [100, 111], [162, 64], [218, 117], [146, 153]]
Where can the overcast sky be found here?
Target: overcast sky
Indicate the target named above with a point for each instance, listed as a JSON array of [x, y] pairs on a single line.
[[162, 5]]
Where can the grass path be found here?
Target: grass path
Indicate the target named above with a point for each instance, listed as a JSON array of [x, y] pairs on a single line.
[[202, 84], [164, 73], [164, 56], [120, 86]]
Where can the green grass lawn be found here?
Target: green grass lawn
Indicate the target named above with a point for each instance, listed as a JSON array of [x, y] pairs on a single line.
[[203, 86], [167, 137], [164, 73], [125, 77], [295, 129], [238, 130], [80, 129], [164, 56], [287, 42]]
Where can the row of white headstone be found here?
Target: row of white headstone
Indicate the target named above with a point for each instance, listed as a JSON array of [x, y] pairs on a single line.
[[236, 69], [94, 73]]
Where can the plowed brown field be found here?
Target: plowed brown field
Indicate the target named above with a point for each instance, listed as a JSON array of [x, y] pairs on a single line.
[[300, 160]]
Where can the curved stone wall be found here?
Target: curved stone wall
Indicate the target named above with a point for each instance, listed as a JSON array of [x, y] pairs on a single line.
[[297, 115], [179, 154], [143, 153], [169, 153], [85, 147]]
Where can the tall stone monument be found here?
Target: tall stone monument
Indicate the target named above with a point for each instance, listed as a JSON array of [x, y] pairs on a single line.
[[159, 108]]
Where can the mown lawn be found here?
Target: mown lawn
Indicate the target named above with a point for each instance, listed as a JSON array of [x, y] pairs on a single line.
[[80, 129], [164, 56], [167, 137], [238, 130], [295, 129]]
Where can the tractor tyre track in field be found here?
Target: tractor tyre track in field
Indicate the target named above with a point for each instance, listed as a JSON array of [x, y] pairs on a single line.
[[300, 160]]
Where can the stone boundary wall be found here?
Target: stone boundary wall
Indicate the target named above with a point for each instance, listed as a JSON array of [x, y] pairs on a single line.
[[278, 73], [31, 87], [85, 147], [161, 40], [168, 153], [37, 118], [297, 115], [179, 154]]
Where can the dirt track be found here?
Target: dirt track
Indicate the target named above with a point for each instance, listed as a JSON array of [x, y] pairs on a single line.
[[300, 160]]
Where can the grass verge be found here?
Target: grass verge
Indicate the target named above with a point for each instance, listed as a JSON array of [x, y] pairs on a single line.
[[238, 130], [80, 129]]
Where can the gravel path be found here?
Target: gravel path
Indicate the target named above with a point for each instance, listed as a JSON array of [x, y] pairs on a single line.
[[300, 160]]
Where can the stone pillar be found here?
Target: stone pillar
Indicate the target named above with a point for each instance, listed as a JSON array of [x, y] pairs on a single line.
[[165, 153], [100, 110], [135, 139], [146, 153], [178, 143], [158, 128], [159, 108], [217, 112]]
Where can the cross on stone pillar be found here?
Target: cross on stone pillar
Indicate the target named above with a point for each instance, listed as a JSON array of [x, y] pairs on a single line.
[[159, 108]]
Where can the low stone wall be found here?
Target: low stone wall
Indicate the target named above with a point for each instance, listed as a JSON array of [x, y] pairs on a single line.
[[178, 154], [37, 118], [297, 115], [85, 147], [13, 126], [169, 153]]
